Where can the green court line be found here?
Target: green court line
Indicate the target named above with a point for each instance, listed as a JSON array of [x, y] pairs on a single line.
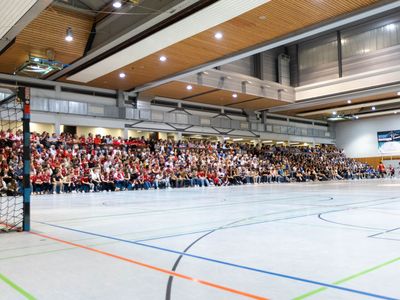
[[16, 287], [351, 277]]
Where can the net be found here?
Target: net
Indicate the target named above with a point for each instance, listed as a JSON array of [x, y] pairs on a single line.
[[12, 164]]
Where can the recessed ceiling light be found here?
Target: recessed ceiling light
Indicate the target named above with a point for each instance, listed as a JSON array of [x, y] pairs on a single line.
[[234, 95], [122, 75], [163, 58], [117, 4], [373, 108], [219, 35], [189, 87], [357, 117], [69, 37], [349, 101], [334, 113]]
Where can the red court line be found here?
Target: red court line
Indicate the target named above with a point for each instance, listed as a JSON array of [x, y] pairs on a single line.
[[171, 273]]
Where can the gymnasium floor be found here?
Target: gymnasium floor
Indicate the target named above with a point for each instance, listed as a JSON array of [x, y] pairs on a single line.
[[338, 240]]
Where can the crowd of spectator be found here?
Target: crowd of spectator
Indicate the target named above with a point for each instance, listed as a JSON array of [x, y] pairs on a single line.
[[67, 163]]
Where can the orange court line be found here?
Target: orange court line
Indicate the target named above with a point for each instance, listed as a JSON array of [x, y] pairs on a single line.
[[171, 273]]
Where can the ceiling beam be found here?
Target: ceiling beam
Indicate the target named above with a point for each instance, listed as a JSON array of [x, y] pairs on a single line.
[[176, 6], [373, 10], [14, 80], [28, 17], [350, 107], [334, 99]]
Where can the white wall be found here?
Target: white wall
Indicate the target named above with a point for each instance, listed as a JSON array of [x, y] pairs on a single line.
[[359, 137]]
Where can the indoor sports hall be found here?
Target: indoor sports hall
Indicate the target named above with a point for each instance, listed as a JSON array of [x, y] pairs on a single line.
[[212, 149]]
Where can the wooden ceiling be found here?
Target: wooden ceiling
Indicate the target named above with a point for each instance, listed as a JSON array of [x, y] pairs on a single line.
[[267, 22], [48, 32], [207, 95]]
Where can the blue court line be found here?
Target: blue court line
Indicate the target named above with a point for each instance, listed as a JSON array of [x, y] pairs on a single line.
[[304, 280], [383, 232]]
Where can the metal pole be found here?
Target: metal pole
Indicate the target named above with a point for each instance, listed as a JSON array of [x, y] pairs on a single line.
[[25, 93]]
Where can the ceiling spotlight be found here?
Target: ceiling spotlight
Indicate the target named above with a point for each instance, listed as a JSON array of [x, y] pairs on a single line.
[[219, 35], [117, 4], [163, 58], [234, 95], [334, 113], [189, 87], [348, 101], [122, 75], [373, 108], [398, 93], [357, 117], [69, 37]]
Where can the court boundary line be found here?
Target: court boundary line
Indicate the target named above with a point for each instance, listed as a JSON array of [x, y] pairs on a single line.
[[154, 268], [349, 278], [16, 287], [295, 278]]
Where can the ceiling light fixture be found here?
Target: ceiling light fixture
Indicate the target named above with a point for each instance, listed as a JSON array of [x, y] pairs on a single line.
[[334, 113], [373, 108], [235, 95], [237, 140], [189, 87], [117, 4], [163, 58], [357, 117], [219, 35], [348, 101], [69, 37], [398, 93], [390, 27], [122, 75]]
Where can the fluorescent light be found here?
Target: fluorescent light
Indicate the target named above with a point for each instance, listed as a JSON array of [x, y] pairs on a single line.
[[268, 141], [122, 75], [235, 95], [237, 140], [219, 35], [69, 37], [189, 87], [280, 143], [163, 58], [117, 4], [227, 138]]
